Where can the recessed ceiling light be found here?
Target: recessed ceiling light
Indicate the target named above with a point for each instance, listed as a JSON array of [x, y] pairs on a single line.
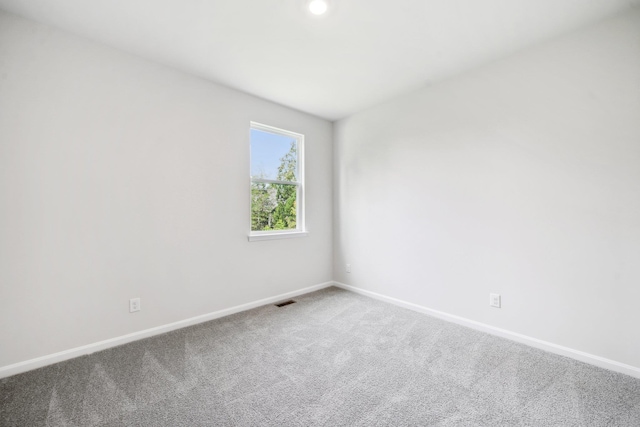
[[318, 7]]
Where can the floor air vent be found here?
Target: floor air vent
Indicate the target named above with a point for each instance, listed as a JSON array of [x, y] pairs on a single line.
[[282, 304]]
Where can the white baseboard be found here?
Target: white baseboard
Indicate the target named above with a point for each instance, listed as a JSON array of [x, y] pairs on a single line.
[[39, 362], [514, 336], [50, 359]]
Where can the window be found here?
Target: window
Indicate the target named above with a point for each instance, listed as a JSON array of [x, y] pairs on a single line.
[[277, 183]]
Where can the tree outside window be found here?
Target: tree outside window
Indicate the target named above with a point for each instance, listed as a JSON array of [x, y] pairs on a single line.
[[276, 180]]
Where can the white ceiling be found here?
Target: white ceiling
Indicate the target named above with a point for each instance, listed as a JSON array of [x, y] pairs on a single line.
[[361, 53]]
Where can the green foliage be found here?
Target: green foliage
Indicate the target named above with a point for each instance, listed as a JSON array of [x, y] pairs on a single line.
[[274, 206], [262, 204]]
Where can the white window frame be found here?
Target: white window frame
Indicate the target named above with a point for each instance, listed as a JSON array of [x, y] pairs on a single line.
[[300, 230]]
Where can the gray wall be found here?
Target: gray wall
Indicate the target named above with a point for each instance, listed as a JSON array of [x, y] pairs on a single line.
[[122, 178], [520, 178]]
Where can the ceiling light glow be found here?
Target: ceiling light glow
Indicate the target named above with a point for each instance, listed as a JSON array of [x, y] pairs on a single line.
[[318, 7]]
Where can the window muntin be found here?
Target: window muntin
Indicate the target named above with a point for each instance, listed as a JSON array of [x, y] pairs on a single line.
[[277, 203]]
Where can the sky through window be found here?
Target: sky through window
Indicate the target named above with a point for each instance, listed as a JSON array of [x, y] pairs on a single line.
[[266, 151]]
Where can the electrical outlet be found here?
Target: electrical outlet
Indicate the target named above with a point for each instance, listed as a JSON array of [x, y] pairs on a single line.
[[134, 305], [348, 268], [494, 300]]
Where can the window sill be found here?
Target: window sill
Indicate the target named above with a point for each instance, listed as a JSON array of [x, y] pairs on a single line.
[[274, 236]]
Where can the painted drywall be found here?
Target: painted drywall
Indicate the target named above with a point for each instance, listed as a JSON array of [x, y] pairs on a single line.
[[122, 178], [520, 178]]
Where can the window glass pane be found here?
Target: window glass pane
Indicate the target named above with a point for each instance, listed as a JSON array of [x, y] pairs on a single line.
[[273, 156], [273, 206]]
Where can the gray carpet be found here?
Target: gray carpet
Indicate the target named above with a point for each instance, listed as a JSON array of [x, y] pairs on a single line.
[[332, 359]]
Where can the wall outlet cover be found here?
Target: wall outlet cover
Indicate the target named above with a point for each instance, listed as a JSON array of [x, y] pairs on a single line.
[[134, 305], [494, 300]]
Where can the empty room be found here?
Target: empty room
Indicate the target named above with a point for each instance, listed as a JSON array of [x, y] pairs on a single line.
[[320, 213]]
